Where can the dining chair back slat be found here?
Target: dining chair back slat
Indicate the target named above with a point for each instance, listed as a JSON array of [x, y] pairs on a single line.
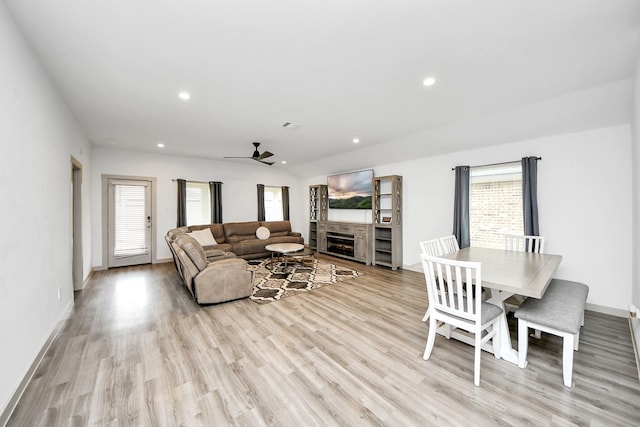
[[525, 243], [449, 244], [431, 247]]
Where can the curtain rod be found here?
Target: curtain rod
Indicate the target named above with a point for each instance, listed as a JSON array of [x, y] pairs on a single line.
[[199, 182], [494, 164]]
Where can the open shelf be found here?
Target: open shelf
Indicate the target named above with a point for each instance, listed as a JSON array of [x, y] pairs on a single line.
[[387, 205]]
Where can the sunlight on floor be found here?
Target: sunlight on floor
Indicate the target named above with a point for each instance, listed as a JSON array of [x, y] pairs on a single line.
[[130, 301]]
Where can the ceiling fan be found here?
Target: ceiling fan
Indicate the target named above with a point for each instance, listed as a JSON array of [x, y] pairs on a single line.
[[256, 155]]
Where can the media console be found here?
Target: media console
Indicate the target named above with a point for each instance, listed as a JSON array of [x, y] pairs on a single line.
[[349, 240]]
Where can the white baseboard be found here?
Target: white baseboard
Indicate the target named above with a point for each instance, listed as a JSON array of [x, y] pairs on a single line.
[[17, 394], [607, 310], [413, 267], [634, 324]]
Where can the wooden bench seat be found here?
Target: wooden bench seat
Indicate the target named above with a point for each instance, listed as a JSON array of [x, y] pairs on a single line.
[[560, 312]]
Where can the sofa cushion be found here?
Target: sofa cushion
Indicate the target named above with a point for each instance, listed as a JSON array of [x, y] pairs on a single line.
[[280, 227], [216, 229], [204, 237], [239, 231], [174, 232], [247, 247], [193, 249]]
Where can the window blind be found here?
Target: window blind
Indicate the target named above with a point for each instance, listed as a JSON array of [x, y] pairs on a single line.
[[130, 221]]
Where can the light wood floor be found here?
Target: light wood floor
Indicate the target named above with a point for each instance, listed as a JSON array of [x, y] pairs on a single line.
[[138, 352]]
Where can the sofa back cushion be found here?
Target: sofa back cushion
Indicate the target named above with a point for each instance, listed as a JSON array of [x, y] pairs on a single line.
[[193, 249], [216, 229], [277, 228], [171, 234], [239, 231]]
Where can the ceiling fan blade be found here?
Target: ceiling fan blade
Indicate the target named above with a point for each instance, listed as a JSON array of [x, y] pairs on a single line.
[[265, 155], [265, 162]]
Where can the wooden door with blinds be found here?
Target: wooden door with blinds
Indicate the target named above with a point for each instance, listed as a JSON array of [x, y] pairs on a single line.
[[129, 222]]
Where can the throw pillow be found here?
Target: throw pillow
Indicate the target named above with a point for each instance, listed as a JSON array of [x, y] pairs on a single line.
[[263, 233], [204, 237]]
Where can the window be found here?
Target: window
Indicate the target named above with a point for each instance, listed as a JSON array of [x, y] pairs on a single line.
[[495, 204], [273, 203], [198, 203]]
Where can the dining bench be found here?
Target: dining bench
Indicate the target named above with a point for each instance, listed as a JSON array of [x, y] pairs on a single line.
[[560, 312]]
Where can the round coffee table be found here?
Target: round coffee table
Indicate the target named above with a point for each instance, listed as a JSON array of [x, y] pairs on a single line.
[[281, 250], [300, 257]]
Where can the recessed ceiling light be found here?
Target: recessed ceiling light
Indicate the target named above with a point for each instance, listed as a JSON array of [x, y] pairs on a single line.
[[185, 96], [160, 145], [429, 81], [284, 162], [356, 140]]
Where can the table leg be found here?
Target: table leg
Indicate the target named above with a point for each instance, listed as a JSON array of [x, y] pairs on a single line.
[[507, 352]]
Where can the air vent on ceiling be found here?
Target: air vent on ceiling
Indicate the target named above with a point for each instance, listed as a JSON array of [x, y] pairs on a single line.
[[291, 125]]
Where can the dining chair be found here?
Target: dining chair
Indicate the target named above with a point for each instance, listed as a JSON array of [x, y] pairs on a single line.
[[434, 248], [431, 247], [465, 310], [519, 243], [449, 244]]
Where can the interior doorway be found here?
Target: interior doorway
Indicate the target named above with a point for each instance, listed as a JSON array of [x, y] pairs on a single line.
[[77, 262]]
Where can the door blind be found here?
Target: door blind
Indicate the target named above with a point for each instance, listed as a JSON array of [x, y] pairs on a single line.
[[130, 220]]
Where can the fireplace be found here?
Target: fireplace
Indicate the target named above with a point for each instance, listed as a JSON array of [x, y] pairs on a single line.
[[340, 245]]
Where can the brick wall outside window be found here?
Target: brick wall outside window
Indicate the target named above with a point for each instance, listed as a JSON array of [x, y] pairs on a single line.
[[495, 209]]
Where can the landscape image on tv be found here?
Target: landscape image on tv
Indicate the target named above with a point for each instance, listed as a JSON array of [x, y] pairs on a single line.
[[350, 190]]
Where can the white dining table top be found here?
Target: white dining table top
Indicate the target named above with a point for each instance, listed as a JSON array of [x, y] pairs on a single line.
[[521, 273]]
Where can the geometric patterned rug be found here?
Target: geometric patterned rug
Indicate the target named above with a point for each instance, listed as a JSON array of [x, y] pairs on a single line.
[[278, 283]]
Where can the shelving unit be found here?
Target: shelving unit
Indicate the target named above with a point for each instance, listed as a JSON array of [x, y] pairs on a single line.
[[318, 211], [387, 221]]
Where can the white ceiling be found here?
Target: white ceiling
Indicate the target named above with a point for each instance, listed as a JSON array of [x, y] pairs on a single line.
[[505, 70]]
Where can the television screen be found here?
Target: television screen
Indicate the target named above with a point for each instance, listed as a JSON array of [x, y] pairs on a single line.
[[351, 190]]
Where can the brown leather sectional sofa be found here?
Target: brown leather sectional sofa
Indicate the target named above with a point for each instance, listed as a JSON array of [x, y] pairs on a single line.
[[218, 273], [240, 237]]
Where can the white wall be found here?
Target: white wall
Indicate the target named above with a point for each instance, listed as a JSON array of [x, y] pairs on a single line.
[[636, 187], [239, 194], [584, 183], [37, 138]]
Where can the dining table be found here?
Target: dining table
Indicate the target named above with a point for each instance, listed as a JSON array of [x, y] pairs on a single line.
[[504, 274]]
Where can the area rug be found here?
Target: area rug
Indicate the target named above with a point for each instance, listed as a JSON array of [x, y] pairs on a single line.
[[272, 284]]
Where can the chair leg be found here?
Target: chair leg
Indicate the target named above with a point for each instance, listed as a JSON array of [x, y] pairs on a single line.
[[426, 315], [495, 340], [537, 333], [476, 359], [567, 358], [576, 340], [433, 325], [523, 342]]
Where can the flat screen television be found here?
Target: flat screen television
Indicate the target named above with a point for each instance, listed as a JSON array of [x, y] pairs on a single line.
[[350, 190]]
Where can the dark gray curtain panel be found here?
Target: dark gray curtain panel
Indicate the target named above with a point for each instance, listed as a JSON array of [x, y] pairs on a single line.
[[215, 187], [530, 195], [260, 202], [285, 203], [182, 202], [461, 207]]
